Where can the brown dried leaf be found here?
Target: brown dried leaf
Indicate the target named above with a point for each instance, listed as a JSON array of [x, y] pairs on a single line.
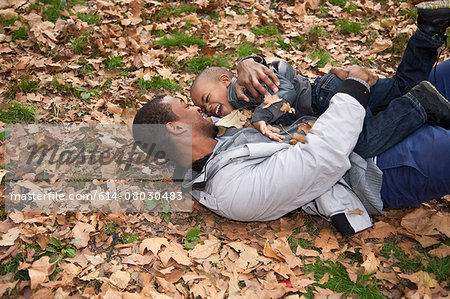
[[39, 271], [326, 240], [203, 251], [356, 212], [81, 234], [176, 252], [235, 119], [286, 108], [370, 264], [442, 251], [9, 238], [153, 244], [271, 99], [296, 138], [421, 279]]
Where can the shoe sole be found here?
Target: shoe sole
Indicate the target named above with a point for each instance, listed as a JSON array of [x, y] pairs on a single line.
[[433, 5]]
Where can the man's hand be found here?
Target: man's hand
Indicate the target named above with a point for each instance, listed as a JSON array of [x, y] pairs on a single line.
[[268, 130], [250, 73], [355, 72]]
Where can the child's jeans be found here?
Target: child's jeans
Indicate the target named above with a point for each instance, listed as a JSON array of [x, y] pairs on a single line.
[[392, 113]]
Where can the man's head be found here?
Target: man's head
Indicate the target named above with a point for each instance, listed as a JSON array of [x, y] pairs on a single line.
[[174, 125], [209, 91]]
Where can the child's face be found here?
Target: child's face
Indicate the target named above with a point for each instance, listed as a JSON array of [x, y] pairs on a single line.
[[211, 96]]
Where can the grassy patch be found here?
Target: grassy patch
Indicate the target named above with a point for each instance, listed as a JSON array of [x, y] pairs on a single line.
[[402, 260], [269, 29], [440, 267], [113, 62], [157, 83], [299, 42], [80, 43], [246, 49], [67, 88], [175, 11], [409, 13], [323, 12], [323, 55], [89, 18], [8, 22], [399, 43], [180, 39], [17, 113], [53, 9], [340, 3], [20, 33], [347, 27], [25, 85], [198, 64], [364, 287], [350, 7]]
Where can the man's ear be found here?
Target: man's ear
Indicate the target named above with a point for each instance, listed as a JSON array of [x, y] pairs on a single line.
[[225, 79], [175, 128]]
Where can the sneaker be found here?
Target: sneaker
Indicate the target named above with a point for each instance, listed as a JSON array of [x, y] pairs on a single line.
[[434, 18], [436, 106]]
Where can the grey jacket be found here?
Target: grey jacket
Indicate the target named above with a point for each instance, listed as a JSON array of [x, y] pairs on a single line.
[[293, 89], [249, 177]]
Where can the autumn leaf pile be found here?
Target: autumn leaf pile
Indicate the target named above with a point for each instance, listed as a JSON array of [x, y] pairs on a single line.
[[99, 61]]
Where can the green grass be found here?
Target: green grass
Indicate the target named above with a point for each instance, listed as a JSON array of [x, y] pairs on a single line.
[[17, 113], [324, 57], [80, 43], [79, 92], [26, 85], [319, 31], [52, 10], [198, 64], [20, 33], [402, 260], [339, 281], [180, 39], [409, 13], [269, 29], [175, 11], [113, 62], [8, 22], [440, 267], [399, 43], [246, 49], [281, 44], [157, 83], [347, 27], [350, 7], [323, 12], [89, 18], [340, 3], [299, 42]]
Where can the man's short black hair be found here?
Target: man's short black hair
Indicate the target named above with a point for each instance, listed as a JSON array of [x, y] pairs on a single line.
[[149, 125]]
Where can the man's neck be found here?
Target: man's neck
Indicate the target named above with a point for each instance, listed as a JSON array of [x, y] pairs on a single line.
[[201, 148]]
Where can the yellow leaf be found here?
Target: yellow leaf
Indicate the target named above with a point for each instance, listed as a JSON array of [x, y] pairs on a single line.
[[371, 264], [235, 119], [272, 99]]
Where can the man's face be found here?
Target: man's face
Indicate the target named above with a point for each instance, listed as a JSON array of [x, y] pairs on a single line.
[[211, 96], [191, 115]]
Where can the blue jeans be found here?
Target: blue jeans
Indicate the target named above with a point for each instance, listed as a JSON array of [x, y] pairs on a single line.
[[442, 81], [417, 169], [392, 114]]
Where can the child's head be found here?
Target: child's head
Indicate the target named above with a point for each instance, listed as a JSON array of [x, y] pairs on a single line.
[[209, 91]]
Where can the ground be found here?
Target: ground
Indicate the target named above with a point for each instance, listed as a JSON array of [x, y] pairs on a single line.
[[99, 61]]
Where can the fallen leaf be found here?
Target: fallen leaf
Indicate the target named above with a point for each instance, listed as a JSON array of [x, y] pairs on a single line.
[[80, 234], [120, 279], [371, 264], [176, 252], [442, 251], [203, 251], [356, 212], [286, 108], [421, 279], [270, 100], [9, 238], [248, 256], [296, 138], [39, 271], [326, 240], [235, 119], [153, 244], [419, 222]]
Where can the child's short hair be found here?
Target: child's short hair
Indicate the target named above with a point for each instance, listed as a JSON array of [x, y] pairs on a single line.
[[212, 73]]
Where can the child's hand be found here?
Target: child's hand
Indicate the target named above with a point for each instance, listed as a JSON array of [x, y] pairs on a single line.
[[268, 130], [355, 71], [249, 74]]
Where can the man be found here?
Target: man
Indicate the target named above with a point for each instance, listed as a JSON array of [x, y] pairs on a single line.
[[246, 176]]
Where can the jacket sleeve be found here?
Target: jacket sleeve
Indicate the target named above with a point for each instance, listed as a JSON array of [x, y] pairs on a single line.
[[296, 175], [271, 114]]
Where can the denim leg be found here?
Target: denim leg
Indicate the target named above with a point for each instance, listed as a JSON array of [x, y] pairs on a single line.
[[323, 89], [402, 117], [442, 81], [416, 170], [418, 59]]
